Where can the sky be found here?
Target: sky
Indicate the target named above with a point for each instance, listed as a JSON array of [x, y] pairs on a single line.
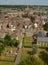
[[23, 2]]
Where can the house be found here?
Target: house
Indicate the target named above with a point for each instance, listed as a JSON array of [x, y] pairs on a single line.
[[37, 19], [35, 25], [42, 41], [27, 21], [44, 19]]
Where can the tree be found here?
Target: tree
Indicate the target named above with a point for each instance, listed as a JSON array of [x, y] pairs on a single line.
[[7, 39], [14, 42], [32, 18], [35, 49], [10, 42], [45, 27]]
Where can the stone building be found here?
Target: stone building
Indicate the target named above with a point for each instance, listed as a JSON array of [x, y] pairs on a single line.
[[42, 41]]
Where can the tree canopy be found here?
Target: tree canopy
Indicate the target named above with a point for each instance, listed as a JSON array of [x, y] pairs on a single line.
[[7, 39], [45, 26], [14, 42]]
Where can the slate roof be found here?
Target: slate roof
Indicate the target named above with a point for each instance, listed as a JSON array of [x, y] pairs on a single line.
[[42, 39], [40, 34]]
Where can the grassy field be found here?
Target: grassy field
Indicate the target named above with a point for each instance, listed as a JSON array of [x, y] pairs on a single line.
[[7, 60], [25, 53], [6, 63]]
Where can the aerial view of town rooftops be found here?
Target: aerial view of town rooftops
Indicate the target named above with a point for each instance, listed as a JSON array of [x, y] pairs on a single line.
[[23, 32]]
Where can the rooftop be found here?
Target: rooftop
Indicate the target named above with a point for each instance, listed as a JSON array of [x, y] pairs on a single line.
[[42, 39], [40, 34]]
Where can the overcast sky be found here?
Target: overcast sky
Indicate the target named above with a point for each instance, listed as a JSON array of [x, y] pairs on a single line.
[[23, 2]]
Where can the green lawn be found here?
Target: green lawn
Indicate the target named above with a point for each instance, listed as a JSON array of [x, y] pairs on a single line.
[[27, 45], [28, 41], [7, 60]]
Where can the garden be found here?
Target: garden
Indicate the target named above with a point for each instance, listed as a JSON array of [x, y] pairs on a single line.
[[8, 50], [27, 41], [39, 58]]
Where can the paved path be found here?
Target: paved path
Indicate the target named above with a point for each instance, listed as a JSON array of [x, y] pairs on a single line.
[[18, 57], [17, 61]]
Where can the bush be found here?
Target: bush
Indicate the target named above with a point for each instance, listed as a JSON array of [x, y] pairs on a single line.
[[35, 49], [46, 49], [27, 46], [43, 47], [1, 48]]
